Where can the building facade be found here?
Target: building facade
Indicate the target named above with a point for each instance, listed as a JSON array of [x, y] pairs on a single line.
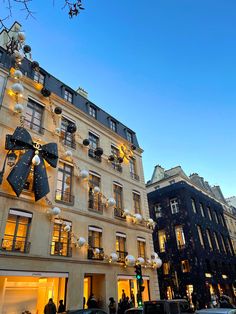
[[191, 237], [86, 234]]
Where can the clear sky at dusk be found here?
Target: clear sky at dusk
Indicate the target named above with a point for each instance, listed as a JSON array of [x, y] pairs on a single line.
[[165, 68]]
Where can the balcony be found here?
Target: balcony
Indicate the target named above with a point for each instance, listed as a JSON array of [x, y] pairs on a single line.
[[96, 256], [67, 139], [121, 256], [134, 176], [33, 126], [91, 154], [95, 204], [118, 212], [116, 166], [13, 245], [64, 197], [61, 249]]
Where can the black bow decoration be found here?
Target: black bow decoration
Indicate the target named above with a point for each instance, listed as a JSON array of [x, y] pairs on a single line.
[[21, 140]]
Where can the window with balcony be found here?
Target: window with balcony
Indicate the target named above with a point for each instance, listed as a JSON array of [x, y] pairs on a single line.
[[94, 199], [64, 183], [209, 213], [194, 205], [202, 210], [200, 235], [93, 112], [185, 266], [162, 240], [216, 241], [67, 138], [132, 169], [39, 77], [137, 203], [166, 268], [174, 205], [116, 153], [141, 247], [68, 96], [17, 232], [180, 239], [113, 125], [129, 136], [121, 246], [157, 210], [34, 116], [93, 145], [95, 250], [61, 238], [209, 239], [118, 197]]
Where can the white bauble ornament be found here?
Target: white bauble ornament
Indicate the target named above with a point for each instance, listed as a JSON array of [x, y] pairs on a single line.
[[17, 88], [67, 228], [137, 218], [18, 74], [18, 108], [157, 263], [126, 212], [21, 36], [56, 211], [111, 202], [140, 261], [68, 153], [96, 251], [113, 257], [154, 256], [81, 241], [18, 56], [130, 260], [84, 174], [96, 189], [36, 160]]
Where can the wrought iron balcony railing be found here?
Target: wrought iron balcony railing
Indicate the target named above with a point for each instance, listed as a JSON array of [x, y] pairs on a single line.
[[118, 212], [95, 205], [121, 256], [91, 153], [61, 249], [68, 139], [33, 126], [14, 245], [134, 176], [96, 253], [116, 166], [65, 197]]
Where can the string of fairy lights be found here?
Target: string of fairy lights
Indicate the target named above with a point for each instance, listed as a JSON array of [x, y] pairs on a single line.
[[19, 51]]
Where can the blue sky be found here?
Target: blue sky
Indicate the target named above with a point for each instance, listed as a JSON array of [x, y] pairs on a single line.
[[165, 68]]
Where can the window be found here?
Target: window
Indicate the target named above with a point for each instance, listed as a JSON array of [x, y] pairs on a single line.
[[202, 210], [216, 241], [141, 248], [162, 240], [174, 205], [166, 268], [95, 199], [194, 205], [199, 230], [132, 169], [118, 196], [230, 245], [68, 96], [209, 213], [95, 250], [223, 221], [223, 243], [93, 144], [67, 137], [216, 217], [17, 231], [112, 125], [179, 234], [61, 239], [185, 266], [39, 77], [93, 112], [129, 136], [64, 183], [116, 153], [34, 116], [157, 210], [209, 239], [121, 246], [137, 203]]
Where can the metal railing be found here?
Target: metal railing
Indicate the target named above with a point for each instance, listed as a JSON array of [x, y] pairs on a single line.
[[67, 139], [92, 254], [121, 256], [92, 155], [118, 212], [14, 245], [33, 126], [61, 249], [134, 176], [65, 197], [95, 204], [116, 166]]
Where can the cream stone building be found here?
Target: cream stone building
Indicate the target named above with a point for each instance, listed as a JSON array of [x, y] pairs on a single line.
[[97, 194]]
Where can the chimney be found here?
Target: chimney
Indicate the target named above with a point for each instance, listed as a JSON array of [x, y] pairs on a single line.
[[82, 92]]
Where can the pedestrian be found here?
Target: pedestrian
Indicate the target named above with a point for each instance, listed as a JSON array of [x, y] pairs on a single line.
[[194, 299], [61, 307], [50, 308], [92, 302], [112, 306], [123, 296], [132, 297]]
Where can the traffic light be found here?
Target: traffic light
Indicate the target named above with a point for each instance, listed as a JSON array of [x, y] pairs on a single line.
[[138, 271]]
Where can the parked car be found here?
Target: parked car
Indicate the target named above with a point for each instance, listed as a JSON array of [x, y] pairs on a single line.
[[175, 306], [87, 311], [217, 310], [134, 310]]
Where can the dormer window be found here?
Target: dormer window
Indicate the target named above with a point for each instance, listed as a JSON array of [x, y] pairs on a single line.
[[93, 112], [129, 136], [113, 125], [68, 96], [39, 77]]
